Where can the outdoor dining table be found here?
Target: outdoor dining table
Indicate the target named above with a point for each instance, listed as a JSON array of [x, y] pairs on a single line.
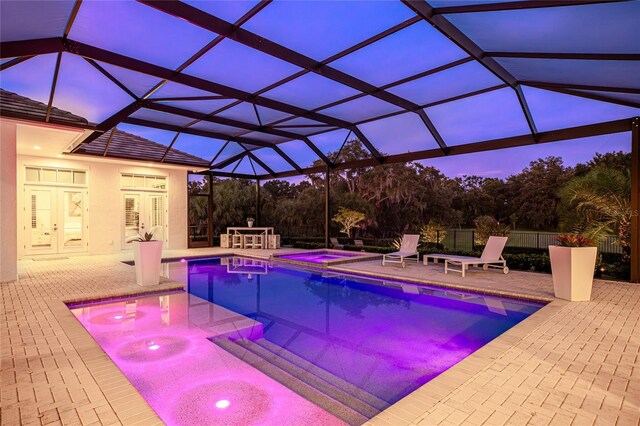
[[265, 231]]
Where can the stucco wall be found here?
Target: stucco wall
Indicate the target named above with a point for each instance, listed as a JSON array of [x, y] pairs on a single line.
[[105, 201], [8, 211]]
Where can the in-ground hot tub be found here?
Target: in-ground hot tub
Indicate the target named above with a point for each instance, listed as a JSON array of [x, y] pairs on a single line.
[[325, 257]]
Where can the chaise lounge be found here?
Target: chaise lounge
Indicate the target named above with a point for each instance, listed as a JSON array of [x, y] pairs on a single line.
[[491, 258], [408, 249]]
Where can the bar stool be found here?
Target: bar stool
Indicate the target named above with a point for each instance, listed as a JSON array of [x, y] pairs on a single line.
[[236, 241], [258, 241], [248, 241]]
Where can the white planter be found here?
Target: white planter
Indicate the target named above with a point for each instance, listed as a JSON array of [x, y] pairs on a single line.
[[250, 223], [572, 269], [147, 256]]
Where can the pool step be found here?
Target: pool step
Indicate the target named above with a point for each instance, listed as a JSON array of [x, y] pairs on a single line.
[[304, 384], [327, 376], [317, 382]]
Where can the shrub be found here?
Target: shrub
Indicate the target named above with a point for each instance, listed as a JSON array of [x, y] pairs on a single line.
[[574, 240], [487, 226], [432, 233], [308, 246]]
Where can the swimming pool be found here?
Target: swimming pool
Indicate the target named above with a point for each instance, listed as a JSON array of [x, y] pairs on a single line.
[[288, 336]]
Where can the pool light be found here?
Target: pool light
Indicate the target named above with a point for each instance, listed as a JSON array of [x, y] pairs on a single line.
[[118, 317], [154, 347], [222, 404]]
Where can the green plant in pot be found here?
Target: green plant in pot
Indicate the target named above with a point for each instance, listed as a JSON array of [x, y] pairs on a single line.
[[573, 261]]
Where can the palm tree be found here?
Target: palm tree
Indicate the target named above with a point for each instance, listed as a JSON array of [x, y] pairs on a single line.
[[602, 201]]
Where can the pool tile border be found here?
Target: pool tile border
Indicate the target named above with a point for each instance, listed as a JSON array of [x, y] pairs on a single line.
[[431, 283]]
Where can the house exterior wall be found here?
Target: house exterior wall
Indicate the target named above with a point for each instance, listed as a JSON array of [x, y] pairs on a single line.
[[105, 200], [8, 211]]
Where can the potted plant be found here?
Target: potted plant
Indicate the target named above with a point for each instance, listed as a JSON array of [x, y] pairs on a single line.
[[573, 263], [147, 254], [250, 222]]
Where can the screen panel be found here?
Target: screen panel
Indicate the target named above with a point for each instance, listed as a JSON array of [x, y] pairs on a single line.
[[492, 164], [310, 91], [265, 137], [299, 152], [204, 106], [402, 54], [399, 134], [552, 110], [268, 115], [161, 117], [25, 20], [159, 38], [242, 112], [236, 65], [628, 97], [569, 71], [478, 118], [230, 11], [85, 91], [360, 109], [31, 78], [322, 29], [330, 142], [199, 146], [174, 90], [272, 159], [162, 137], [245, 167], [445, 84], [231, 149], [595, 28], [215, 127], [138, 83]]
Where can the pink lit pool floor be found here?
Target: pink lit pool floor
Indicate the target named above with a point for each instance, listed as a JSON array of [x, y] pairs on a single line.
[[160, 344]]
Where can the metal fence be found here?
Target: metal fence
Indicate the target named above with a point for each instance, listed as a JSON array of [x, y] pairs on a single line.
[[463, 240]]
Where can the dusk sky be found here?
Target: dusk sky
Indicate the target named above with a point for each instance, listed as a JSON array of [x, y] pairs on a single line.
[[504, 163]]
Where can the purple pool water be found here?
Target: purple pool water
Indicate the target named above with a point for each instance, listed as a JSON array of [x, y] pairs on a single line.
[[375, 340], [316, 257], [384, 339]]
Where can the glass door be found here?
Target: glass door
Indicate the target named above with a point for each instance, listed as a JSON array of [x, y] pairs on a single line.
[[41, 204], [56, 220], [144, 212], [71, 235], [156, 219]]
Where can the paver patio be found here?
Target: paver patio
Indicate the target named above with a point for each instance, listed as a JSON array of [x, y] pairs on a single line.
[[570, 363]]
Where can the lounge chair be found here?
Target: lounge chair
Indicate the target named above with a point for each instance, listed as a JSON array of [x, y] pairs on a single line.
[[491, 258], [408, 249], [335, 244], [359, 244]]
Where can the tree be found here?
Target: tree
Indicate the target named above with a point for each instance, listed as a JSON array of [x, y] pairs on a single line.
[[602, 202], [348, 219], [533, 194]]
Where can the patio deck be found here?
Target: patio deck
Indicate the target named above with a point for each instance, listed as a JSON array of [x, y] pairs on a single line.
[[570, 363]]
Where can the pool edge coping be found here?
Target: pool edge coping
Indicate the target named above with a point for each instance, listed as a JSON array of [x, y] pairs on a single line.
[[125, 400], [128, 403]]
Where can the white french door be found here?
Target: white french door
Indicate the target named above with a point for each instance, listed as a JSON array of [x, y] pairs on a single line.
[[56, 220], [144, 212]]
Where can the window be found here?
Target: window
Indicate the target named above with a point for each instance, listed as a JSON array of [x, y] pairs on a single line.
[[144, 182], [50, 175]]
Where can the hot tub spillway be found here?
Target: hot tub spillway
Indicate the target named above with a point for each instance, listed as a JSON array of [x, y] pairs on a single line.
[[339, 397]]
